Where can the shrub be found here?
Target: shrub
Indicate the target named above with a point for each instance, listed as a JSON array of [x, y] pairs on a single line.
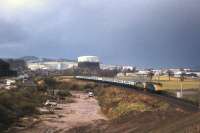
[[18, 103], [116, 102], [64, 93]]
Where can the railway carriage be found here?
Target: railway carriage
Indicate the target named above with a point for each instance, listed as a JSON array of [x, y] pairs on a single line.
[[149, 86]]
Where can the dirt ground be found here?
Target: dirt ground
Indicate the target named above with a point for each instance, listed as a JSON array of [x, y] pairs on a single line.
[[82, 112]]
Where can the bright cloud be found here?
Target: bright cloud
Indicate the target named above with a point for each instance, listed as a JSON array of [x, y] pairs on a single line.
[[19, 4]]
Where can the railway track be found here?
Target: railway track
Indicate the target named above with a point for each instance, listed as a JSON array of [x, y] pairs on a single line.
[[180, 102], [184, 104]]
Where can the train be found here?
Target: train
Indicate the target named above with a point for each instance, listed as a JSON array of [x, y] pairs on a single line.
[[149, 86]]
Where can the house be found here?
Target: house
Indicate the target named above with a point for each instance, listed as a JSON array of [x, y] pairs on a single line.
[[143, 72], [10, 82], [127, 68]]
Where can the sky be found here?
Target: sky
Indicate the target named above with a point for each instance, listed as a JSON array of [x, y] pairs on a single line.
[[146, 33]]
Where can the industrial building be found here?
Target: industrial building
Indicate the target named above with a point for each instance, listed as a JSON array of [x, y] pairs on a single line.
[[89, 62], [51, 65]]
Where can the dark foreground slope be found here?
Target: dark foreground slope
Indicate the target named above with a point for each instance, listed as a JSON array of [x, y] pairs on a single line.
[[146, 123]]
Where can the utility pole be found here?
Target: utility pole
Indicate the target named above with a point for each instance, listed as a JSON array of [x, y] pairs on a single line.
[[199, 94], [181, 89], [181, 80]]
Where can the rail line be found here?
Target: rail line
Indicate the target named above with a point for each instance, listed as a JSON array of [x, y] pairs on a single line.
[[131, 85], [187, 105]]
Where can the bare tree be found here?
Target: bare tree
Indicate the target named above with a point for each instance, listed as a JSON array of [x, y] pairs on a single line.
[[50, 83], [170, 74], [150, 75], [182, 76]]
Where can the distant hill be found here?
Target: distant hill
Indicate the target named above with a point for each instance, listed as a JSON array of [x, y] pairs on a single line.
[[68, 60], [36, 59], [59, 59], [29, 58]]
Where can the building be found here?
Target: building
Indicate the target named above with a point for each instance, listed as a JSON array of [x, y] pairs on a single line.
[[51, 65], [10, 82], [110, 67], [143, 72], [128, 68], [89, 62]]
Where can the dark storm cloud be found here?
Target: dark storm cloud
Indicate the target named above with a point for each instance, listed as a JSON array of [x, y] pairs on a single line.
[[140, 32], [10, 33]]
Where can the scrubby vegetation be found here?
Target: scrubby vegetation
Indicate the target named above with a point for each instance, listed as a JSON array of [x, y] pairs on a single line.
[[63, 93], [116, 102], [76, 85], [18, 103], [24, 101]]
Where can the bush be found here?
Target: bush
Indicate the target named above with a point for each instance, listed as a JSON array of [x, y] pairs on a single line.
[[64, 93], [18, 103], [116, 102], [6, 117], [63, 86]]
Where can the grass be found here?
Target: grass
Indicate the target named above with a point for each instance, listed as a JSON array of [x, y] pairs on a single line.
[[175, 83], [167, 85], [125, 107], [116, 102]]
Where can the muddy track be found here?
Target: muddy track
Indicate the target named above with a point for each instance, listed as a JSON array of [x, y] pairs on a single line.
[[82, 112]]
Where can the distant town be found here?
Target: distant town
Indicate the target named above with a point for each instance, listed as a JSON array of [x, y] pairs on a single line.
[[85, 62], [25, 67]]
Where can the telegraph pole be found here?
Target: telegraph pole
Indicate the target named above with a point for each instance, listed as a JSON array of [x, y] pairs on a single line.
[[199, 95], [181, 89], [181, 80]]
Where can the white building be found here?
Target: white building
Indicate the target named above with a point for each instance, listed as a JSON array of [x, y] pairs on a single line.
[[197, 73], [178, 74], [10, 82], [125, 68], [52, 65], [88, 59], [110, 67], [143, 72], [121, 74]]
